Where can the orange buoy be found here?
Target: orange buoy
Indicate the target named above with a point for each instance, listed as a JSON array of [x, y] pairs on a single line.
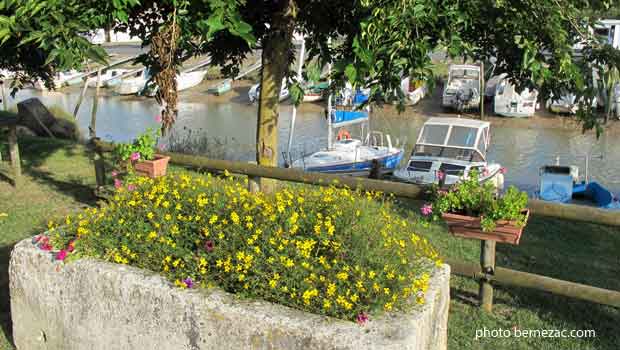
[[343, 134]]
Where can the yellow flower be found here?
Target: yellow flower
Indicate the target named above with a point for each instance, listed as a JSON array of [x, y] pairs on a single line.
[[343, 276]]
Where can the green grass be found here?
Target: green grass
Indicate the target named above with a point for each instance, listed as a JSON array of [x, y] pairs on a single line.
[[59, 177]]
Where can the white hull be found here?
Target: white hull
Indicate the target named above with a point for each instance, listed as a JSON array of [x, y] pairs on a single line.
[[130, 86], [255, 91], [312, 98], [508, 103], [492, 174], [61, 79], [189, 80]]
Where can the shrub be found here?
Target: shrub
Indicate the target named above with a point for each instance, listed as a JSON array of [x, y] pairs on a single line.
[[329, 251]]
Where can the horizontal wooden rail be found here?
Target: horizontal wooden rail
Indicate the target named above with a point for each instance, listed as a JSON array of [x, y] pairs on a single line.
[[538, 282], [563, 211]]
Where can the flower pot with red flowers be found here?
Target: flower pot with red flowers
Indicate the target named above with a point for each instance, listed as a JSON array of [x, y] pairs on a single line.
[[474, 210], [140, 157]]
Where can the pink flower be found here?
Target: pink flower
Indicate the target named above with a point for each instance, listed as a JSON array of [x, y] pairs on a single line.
[[131, 187], [441, 175], [362, 318], [485, 172], [114, 174], [189, 283], [45, 246], [503, 170], [426, 210], [61, 255], [209, 245], [71, 246], [117, 183], [135, 156], [158, 118]]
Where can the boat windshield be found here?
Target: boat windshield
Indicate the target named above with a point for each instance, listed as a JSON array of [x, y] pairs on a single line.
[[462, 136], [463, 73], [434, 134], [462, 154]]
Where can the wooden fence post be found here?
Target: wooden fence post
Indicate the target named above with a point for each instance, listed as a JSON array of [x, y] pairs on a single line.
[[14, 155], [487, 263]]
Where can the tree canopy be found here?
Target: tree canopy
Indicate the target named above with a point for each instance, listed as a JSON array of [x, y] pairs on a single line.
[[373, 42]]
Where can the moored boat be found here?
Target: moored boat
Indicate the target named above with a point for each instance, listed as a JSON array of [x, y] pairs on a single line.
[[133, 85], [254, 92], [561, 184], [462, 89], [447, 150]]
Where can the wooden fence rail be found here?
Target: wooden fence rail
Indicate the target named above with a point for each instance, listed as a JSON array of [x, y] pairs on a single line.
[[493, 274], [528, 280]]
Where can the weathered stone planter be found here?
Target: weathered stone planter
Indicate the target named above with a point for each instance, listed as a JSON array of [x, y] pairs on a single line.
[[94, 305]]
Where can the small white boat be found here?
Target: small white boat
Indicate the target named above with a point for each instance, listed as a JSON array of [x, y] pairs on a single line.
[[133, 85], [491, 85], [353, 157], [567, 103], [61, 79], [448, 149], [462, 90], [509, 103], [255, 91], [315, 92], [615, 102], [108, 77], [414, 90], [185, 80]]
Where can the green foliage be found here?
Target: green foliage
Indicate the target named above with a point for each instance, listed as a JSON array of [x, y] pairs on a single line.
[[144, 146], [470, 197], [329, 251]]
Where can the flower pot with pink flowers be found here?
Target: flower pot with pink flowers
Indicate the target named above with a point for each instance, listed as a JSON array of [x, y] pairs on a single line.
[[140, 156], [475, 210]]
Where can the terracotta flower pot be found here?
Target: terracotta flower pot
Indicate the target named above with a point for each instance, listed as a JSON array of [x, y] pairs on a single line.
[[469, 227], [153, 168]]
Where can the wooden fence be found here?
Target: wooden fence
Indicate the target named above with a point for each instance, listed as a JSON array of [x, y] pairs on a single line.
[[479, 272]]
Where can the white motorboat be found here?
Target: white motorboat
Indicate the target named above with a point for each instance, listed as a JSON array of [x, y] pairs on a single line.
[[414, 90], [108, 77], [353, 157], [615, 102], [491, 85], [133, 85], [185, 80], [462, 90], [348, 156], [255, 91], [567, 103], [447, 150], [508, 102], [61, 79]]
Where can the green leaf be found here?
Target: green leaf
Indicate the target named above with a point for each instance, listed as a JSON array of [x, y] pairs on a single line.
[[351, 73]]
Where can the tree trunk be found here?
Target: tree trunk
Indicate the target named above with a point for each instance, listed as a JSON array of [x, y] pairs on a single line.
[[275, 57], [108, 36]]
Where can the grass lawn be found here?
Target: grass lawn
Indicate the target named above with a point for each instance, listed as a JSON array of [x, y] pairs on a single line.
[[59, 178]]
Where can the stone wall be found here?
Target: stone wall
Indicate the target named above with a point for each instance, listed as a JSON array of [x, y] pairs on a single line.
[[94, 305]]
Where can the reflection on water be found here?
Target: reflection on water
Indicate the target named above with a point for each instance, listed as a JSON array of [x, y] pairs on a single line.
[[233, 124]]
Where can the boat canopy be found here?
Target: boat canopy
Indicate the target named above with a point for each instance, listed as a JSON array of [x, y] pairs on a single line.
[[454, 138], [464, 72]]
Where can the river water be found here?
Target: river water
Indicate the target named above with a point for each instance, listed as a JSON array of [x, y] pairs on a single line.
[[226, 127]]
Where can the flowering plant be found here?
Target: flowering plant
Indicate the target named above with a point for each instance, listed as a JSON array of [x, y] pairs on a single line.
[[473, 198], [142, 148], [329, 251]]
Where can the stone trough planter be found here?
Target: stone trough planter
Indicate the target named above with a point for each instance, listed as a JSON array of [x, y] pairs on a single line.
[[95, 305]]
